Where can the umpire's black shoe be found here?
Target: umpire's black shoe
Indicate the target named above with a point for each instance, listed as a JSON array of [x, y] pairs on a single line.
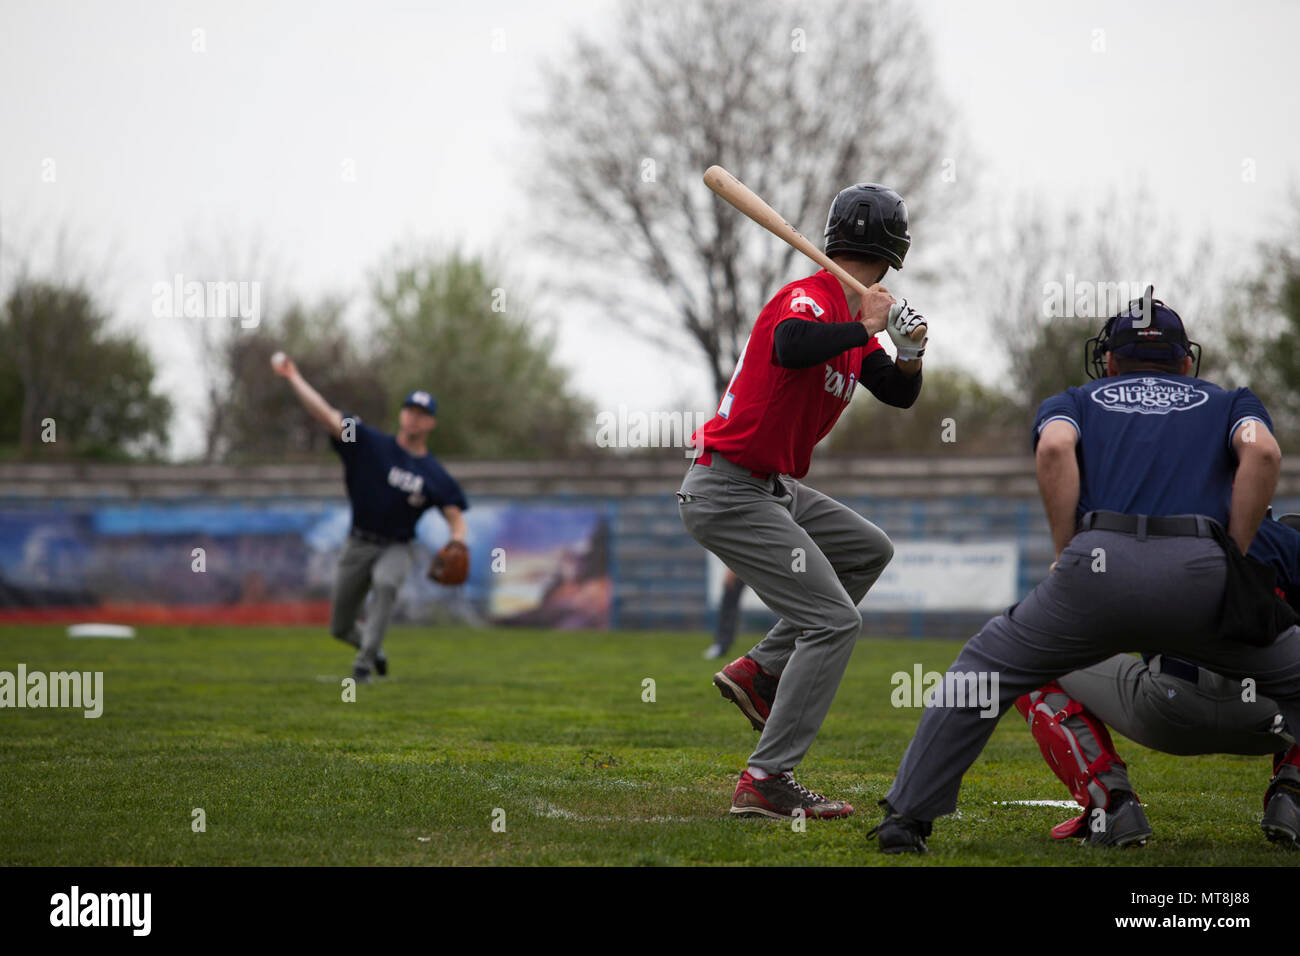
[[1281, 821], [381, 665], [361, 675], [1122, 824], [899, 834]]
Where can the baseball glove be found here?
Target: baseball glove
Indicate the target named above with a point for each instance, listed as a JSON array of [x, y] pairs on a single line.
[[450, 565]]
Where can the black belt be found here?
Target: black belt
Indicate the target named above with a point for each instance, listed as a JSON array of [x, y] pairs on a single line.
[[373, 538], [1173, 526], [1180, 669]]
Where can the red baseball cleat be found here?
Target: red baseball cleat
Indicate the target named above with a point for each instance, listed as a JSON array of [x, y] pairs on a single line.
[[782, 797], [749, 687]]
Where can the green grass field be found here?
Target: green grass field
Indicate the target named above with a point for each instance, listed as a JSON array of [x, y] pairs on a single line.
[[551, 728]]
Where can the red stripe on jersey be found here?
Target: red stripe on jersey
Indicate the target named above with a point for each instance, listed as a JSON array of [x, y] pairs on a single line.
[[770, 417]]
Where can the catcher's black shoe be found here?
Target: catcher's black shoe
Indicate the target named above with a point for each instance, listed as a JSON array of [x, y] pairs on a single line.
[[1123, 825], [381, 665], [899, 834], [361, 675], [1281, 821]]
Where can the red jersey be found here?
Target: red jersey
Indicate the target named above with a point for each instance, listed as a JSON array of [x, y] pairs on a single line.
[[771, 417]]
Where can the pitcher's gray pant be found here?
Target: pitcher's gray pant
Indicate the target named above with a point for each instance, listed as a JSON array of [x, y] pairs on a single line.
[[1175, 715], [1159, 594], [811, 560], [365, 564]]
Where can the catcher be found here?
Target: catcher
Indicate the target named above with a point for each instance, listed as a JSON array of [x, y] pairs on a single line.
[[391, 481]]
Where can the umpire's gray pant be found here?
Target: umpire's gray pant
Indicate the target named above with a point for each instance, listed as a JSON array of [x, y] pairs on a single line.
[[365, 564], [810, 559], [1155, 594]]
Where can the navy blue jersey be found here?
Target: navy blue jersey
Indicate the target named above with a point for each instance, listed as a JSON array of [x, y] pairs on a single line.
[[1154, 443], [388, 486], [1279, 547]]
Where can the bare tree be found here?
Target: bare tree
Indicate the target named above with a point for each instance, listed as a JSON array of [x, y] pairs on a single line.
[[217, 339], [1045, 278], [798, 101]]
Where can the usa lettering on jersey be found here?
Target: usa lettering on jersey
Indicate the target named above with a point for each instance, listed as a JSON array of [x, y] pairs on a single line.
[[413, 484]]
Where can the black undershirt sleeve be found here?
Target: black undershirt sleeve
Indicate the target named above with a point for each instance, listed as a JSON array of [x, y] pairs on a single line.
[[883, 379], [800, 343]]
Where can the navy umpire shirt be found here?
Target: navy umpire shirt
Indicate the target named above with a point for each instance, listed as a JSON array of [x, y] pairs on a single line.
[[388, 486], [1153, 443]]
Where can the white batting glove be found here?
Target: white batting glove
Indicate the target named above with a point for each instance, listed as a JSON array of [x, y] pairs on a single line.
[[902, 321]]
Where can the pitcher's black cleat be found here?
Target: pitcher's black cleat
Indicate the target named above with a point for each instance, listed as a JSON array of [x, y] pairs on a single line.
[[899, 834]]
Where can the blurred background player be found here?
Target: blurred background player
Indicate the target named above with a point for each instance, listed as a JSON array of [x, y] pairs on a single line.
[[1172, 705], [391, 481], [809, 558], [728, 616]]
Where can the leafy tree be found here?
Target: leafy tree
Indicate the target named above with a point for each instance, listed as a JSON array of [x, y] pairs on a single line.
[[1261, 330], [60, 362], [449, 324], [262, 419], [954, 414]]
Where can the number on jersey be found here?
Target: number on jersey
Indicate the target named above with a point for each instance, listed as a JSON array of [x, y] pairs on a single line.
[[724, 409]]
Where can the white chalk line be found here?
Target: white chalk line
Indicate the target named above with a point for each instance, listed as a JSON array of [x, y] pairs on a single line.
[[551, 812]]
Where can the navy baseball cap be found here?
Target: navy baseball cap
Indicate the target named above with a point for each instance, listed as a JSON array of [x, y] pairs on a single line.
[[423, 400], [1149, 329]]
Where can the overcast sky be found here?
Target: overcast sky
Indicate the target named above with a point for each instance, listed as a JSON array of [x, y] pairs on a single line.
[[156, 146]]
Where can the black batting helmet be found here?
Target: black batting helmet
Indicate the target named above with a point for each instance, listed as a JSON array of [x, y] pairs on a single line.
[[870, 220]]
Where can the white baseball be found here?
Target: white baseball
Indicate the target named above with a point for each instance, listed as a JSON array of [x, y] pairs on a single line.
[[278, 360]]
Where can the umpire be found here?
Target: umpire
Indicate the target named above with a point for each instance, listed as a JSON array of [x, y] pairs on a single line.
[[1171, 705], [1141, 473], [391, 481]]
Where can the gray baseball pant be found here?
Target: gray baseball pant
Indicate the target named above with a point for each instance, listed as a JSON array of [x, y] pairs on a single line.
[[363, 565], [1174, 715], [811, 560], [1159, 594]]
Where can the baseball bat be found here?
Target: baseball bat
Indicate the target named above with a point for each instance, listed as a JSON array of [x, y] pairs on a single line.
[[735, 192]]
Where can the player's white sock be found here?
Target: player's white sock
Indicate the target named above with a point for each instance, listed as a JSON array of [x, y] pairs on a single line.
[[758, 774]]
